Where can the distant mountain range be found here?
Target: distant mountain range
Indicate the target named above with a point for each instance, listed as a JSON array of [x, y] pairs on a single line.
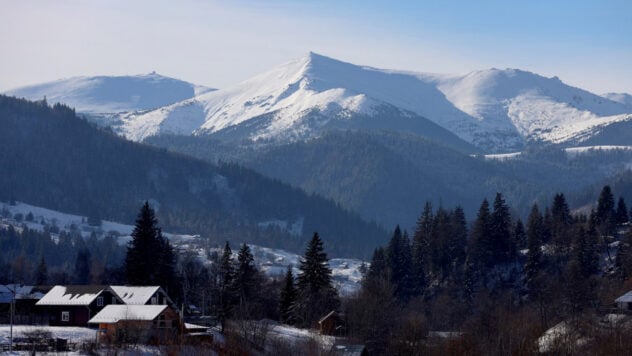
[[378, 142]]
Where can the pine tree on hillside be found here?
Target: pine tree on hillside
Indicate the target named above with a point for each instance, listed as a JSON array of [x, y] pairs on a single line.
[[605, 211], [287, 298], [41, 273], [420, 249], [519, 235], [316, 295], [503, 248], [246, 280], [533, 264], [150, 258], [560, 221], [622, 212], [225, 276], [398, 260], [83, 263], [458, 240], [480, 250]]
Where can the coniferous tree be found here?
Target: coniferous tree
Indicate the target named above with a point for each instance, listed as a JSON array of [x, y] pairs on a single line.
[[533, 265], [420, 248], [480, 249], [225, 276], [560, 222], [144, 249], [83, 263], [150, 258], [41, 273], [503, 248], [398, 260], [316, 295], [622, 212], [246, 283], [605, 211], [458, 239], [287, 297], [519, 235], [378, 267]]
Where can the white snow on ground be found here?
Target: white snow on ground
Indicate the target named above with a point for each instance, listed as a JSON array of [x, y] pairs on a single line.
[[294, 335], [73, 334], [502, 156], [574, 151]]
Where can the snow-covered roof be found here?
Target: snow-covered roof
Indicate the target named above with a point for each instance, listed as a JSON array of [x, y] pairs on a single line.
[[134, 295], [115, 312], [626, 298], [71, 295]]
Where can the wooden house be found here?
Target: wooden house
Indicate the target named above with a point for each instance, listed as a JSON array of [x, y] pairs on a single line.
[[136, 323], [624, 302], [332, 324], [75, 305]]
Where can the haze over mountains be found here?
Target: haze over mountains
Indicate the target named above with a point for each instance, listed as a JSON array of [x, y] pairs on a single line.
[[378, 142]]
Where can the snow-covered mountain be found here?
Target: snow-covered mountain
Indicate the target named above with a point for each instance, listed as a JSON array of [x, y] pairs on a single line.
[[538, 108], [302, 98], [496, 110], [623, 98], [112, 94]]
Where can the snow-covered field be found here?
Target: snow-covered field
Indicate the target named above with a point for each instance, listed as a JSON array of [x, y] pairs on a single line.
[[73, 334]]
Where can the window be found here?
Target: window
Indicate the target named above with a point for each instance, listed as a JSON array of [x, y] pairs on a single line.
[[99, 301], [65, 316], [154, 300], [113, 300]]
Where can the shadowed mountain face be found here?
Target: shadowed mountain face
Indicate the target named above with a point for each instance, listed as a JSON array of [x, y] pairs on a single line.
[[59, 161]]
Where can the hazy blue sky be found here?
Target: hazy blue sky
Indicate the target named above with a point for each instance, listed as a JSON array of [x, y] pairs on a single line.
[[585, 43]]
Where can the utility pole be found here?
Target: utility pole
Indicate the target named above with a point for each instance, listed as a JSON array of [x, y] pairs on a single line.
[[11, 317]]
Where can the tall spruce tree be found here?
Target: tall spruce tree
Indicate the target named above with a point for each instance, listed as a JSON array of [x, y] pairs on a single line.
[[420, 249], [458, 240], [287, 297], [41, 272], [622, 212], [83, 263], [605, 213], [150, 258], [502, 246], [246, 282], [316, 295], [398, 260], [225, 276], [533, 263], [519, 235], [480, 254]]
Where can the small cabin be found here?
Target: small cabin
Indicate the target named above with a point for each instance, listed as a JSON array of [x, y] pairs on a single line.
[[332, 324], [136, 323], [142, 295], [624, 302]]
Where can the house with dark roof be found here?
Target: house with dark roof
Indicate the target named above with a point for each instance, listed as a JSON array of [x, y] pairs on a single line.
[[75, 305]]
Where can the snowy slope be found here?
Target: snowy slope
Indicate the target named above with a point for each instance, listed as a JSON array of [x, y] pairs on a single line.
[[279, 103], [538, 108], [497, 110], [623, 98], [112, 94]]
